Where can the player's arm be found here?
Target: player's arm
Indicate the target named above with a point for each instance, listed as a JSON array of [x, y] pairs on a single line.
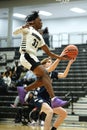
[[22, 29], [64, 75], [53, 66], [49, 53]]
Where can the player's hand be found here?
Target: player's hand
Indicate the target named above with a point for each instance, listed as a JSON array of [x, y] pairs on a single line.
[[64, 57], [72, 60]]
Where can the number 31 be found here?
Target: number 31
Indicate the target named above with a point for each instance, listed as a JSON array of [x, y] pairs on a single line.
[[35, 43]]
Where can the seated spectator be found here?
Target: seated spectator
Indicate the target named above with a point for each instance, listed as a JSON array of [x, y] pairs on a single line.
[[16, 71], [23, 98], [7, 79], [8, 69], [28, 101], [3, 85], [16, 102], [28, 78]]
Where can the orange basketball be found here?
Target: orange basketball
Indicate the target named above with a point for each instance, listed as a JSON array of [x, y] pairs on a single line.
[[70, 52]]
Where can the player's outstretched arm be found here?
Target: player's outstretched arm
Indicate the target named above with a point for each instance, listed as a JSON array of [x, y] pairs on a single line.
[[22, 29], [46, 49], [64, 75]]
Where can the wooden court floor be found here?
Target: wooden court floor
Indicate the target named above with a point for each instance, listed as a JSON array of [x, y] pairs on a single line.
[[13, 126]]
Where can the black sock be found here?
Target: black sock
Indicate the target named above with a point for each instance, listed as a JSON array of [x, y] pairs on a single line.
[[53, 128]]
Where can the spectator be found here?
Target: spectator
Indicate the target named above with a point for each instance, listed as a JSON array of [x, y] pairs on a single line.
[[28, 102], [28, 78], [16, 102], [7, 79], [16, 71], [46, 36], [8, 69], [3, 85]]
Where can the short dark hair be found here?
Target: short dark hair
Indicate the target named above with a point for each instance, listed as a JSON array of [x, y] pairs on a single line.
[[33, 16]]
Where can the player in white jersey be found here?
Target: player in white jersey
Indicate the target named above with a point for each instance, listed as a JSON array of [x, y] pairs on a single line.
[[31, 41]]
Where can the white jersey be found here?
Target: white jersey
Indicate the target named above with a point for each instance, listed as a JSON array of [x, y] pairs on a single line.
[[31, 40]]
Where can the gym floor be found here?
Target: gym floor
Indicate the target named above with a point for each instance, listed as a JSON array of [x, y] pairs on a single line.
[[19, 126]]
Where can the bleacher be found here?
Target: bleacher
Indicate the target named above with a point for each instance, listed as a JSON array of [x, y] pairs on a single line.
[[74, 85]]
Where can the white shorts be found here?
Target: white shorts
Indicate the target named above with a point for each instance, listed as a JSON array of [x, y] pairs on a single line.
[[29, 61]]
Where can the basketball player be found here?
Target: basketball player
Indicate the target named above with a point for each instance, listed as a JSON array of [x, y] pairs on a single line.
[[43, 102], [31, 41]]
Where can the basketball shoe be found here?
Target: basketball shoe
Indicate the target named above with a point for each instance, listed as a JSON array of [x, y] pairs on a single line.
[[56, 102]]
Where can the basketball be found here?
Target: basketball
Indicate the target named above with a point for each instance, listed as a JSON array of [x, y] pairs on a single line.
[[70, 52]]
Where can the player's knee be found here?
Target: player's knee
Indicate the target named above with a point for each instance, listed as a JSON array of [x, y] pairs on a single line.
[[50, 111], [64, 114]]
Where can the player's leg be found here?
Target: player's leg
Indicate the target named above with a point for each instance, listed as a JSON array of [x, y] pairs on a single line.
[[49, 114], [61, 112], [44, 80], [34, 85]]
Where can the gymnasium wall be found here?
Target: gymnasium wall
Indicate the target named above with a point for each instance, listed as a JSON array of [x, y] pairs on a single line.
[[55, 26]]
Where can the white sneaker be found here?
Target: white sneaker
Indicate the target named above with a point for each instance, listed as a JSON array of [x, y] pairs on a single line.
[[33, 123], [42, 123], [13, 106]]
